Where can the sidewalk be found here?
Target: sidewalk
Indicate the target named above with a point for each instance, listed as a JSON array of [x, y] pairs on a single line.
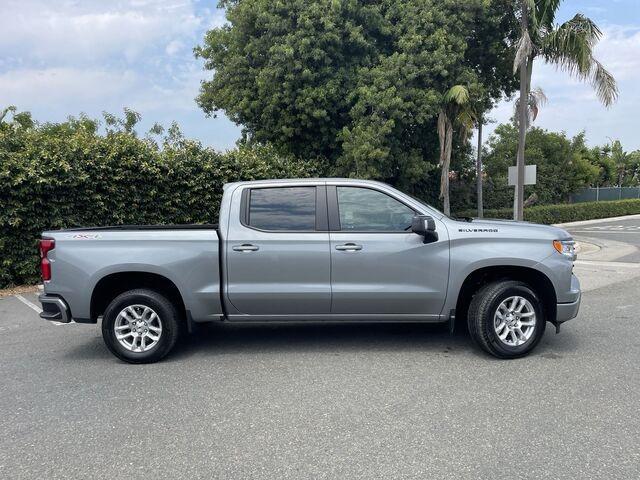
[[597, 220]]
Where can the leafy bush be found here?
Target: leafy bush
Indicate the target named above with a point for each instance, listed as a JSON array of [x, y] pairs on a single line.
[[562, 213], [564, 164], [67, 174], [64, 175]]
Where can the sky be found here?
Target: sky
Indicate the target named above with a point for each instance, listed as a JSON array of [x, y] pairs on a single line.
[[66, 57]]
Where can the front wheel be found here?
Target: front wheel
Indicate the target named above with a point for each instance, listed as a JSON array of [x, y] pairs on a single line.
[[506, 319], [140, 326]]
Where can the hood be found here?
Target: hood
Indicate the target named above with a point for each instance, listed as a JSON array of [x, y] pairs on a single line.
[[526, 229]]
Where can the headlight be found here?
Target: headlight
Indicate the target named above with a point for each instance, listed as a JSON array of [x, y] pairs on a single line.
[[566, 248]]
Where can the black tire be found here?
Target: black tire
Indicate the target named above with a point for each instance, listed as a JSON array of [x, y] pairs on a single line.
[[170, 322], [481, 318]]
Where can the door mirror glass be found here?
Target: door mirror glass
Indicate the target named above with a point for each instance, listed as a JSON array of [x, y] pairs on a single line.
[[425, 226]]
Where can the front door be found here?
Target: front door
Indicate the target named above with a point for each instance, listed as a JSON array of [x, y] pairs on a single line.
[[378, 266], [277, 252]]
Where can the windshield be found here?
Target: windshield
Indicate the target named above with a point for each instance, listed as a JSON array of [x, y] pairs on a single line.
[[422, 202]]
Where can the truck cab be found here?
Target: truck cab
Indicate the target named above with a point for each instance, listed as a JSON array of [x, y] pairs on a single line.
[[340, 250]]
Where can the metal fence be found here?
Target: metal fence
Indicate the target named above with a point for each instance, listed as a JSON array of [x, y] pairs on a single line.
[[602, 194]]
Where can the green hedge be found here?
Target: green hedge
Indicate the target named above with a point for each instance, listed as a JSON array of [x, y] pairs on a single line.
[[562, 213], [65, 175]]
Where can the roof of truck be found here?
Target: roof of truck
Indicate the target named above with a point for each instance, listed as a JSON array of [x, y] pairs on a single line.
[[304, 180]]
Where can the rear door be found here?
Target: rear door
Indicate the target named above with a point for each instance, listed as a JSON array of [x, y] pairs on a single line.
[[378, 266], [277, 251]]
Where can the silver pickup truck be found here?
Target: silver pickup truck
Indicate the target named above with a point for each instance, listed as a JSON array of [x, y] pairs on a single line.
[[338, 250]]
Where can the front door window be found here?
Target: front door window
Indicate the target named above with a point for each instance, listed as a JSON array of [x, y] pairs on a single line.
[[366, 210]]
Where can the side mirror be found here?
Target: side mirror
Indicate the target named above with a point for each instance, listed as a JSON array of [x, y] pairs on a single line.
[[425, 226]]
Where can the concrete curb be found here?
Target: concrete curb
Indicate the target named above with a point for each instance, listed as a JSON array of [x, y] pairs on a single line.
[[597, 220], [603, 249], [586, 248]]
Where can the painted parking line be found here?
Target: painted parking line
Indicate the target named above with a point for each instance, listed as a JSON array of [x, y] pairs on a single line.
[[630, 228], [605, 231], [598, 263], [36, 308], [29, 304]]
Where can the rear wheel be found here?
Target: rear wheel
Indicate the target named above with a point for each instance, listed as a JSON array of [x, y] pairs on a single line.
[[140, 326], [506, 319]]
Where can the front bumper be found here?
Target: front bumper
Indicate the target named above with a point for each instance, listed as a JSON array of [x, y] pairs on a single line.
[[568, 308], [567, 311], [54, 309]]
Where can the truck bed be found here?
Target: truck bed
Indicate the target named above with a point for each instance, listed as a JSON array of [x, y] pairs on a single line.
[[86, 259]]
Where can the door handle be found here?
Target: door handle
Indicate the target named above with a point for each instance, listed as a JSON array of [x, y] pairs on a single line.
[[246, 247], [349, 247]]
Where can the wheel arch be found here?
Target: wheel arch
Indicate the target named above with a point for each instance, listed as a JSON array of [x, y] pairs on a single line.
[[114, 284], [537, 280]]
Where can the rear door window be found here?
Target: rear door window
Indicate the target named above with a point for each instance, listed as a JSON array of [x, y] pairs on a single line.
[[283, 208]]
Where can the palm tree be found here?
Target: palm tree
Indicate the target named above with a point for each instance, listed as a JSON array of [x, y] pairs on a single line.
[[568, 46], [537, 100], [456, 111], [479, 168]]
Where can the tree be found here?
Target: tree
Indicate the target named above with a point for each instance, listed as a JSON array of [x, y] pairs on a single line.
[[633, 170], [356, 83], [537, 99], [615, 166], [479, 169], [568, 46], [456, 111], [620, 159], [565, 165]]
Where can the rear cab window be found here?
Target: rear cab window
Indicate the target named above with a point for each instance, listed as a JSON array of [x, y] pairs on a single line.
[[282, 208]]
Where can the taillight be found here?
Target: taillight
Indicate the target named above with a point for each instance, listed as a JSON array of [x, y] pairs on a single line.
[[46, 245]]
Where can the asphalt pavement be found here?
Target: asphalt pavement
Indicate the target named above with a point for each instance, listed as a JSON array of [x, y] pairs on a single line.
[[331, 402], [625, 231]]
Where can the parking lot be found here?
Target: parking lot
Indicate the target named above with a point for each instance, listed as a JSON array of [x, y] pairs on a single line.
[[342, 401]]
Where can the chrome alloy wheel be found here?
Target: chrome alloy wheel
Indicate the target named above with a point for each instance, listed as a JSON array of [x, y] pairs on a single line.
[[514, 321], [138, 328]]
